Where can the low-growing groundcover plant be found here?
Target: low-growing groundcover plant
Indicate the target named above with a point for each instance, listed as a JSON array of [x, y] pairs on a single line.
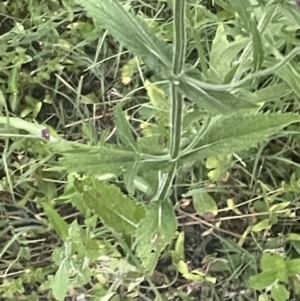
[[219, 85]]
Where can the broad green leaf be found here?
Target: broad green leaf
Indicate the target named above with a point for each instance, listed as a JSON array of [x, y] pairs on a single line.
[[155, 231], [204, 203], [124, 130], [131, 32], [279, 292], [98, 160], [238, 132], [60, 283], [293, 267], [263, 280], [293, 237], [57, 222], [272, 262], [115, 209]]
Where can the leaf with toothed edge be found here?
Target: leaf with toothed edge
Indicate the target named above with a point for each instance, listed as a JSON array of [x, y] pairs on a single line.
[[238, 132], [156, 230]]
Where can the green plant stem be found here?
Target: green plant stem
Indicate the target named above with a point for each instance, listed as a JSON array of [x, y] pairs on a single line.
[[177, 67], [166, 183], [179, 38]]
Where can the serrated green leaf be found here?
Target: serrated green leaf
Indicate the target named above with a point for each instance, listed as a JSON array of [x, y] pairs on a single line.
[[156, 230], [279, 292], [61, 282], [98, 160], [115, 209], [136, 36], [57, 222], [219, 102], [131, 32], [272, 262], [124, 130], [238, 132], [204, 203], [262, 280]]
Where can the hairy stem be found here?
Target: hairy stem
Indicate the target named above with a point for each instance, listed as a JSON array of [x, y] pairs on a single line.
[[179, 38]]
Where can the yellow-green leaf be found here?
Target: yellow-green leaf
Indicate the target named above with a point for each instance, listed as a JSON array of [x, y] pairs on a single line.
[[204, 203]]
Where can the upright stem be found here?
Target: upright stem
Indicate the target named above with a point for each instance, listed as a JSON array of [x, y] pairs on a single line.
[[179, 37], [177, 66]]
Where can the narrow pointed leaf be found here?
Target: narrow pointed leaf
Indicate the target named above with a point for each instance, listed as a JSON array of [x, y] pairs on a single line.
[[124, 130], [98, 160], [131, 32], [204, 95], [218, 65], [238, 132], [57, 222], [61, 283], [258, 49]]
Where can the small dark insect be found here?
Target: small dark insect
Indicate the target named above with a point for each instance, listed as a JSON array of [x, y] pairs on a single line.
[[46, 134]]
